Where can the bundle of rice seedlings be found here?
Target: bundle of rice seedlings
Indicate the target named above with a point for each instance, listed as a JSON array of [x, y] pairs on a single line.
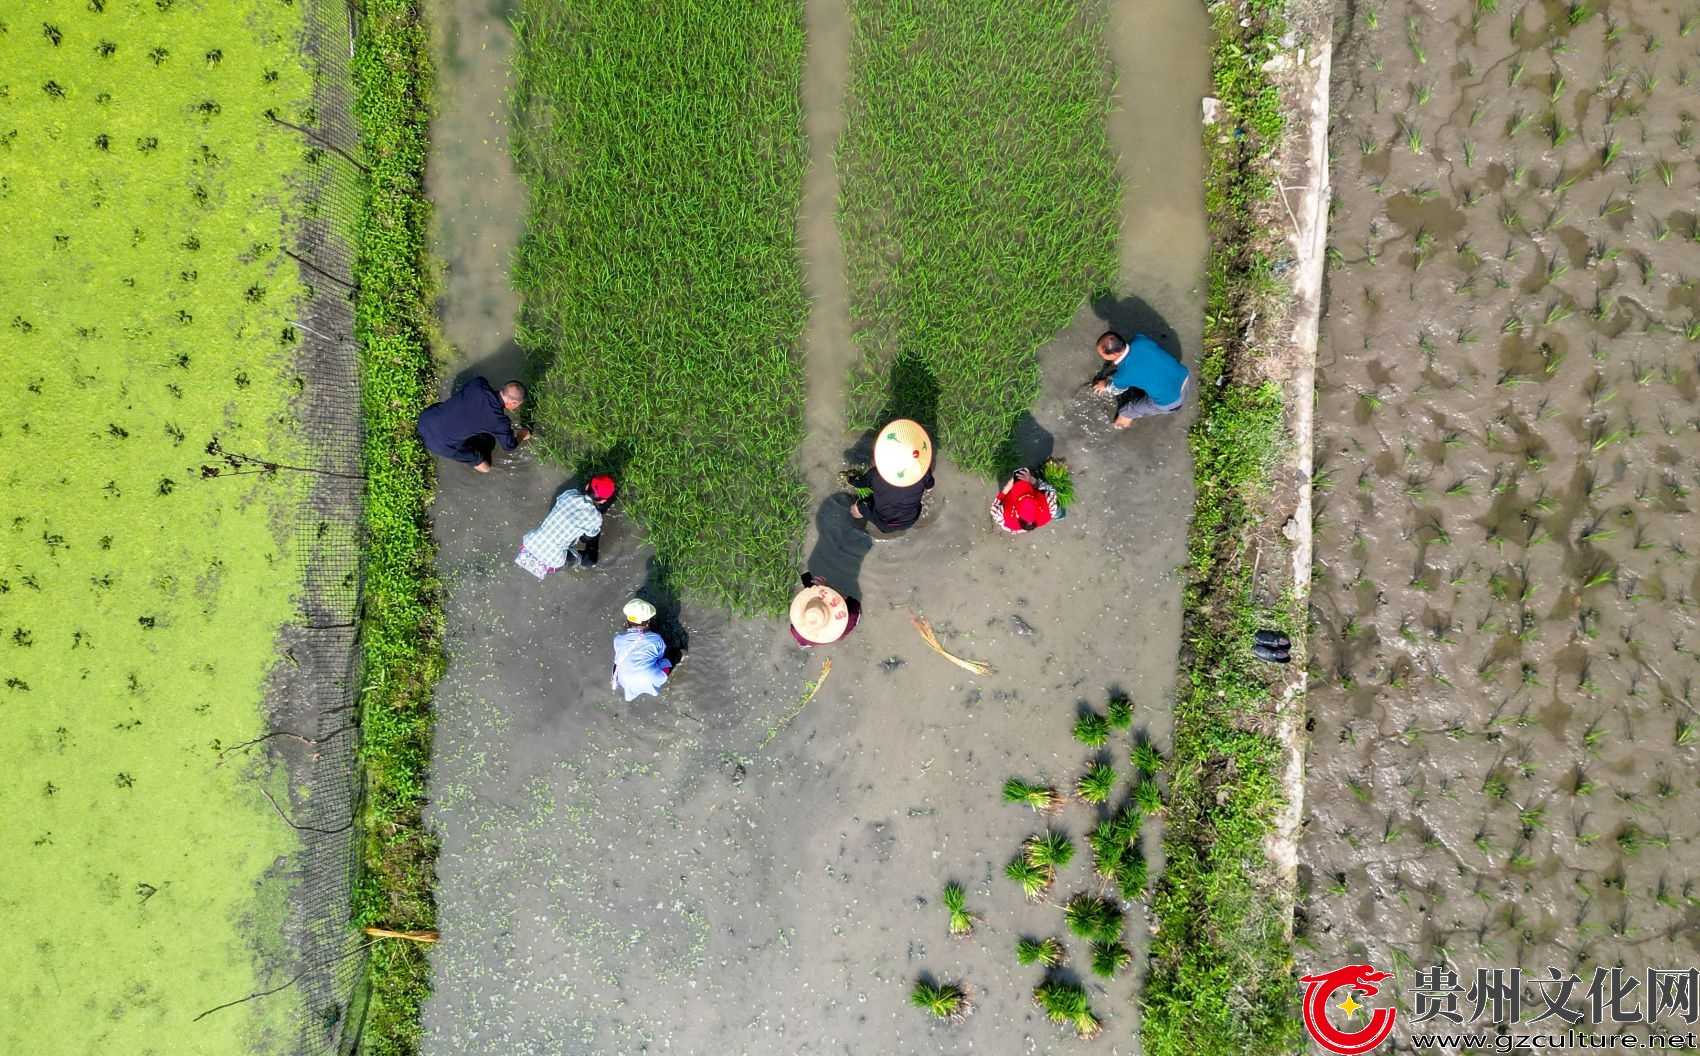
[[1092, 729], [1049, 850], [1093, 918], [1065, 1004], [1035, 880], [1055, 472], [1048, 952], [1042, 798], [1096, 784], [946, 1001], [961, 921], [1108, 958]]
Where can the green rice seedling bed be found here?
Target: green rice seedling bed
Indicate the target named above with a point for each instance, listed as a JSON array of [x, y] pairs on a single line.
[[660, 278], [979, 208], [145, 311]]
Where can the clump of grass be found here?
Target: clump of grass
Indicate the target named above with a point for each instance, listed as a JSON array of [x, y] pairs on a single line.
[[961, 921], [1066, 1005], [1042, 798], [631, 189], [1049, 850], [946, 1001], [918, 255], [1096, 783], [1055, 472], [1092, 729], [1094, 918], [1048, 952], [401, 624]]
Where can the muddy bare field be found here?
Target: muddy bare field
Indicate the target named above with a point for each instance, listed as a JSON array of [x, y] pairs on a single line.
[[1502, 761], [674, 874]]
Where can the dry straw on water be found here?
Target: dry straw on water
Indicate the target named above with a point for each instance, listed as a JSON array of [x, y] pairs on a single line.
[[926, 629]]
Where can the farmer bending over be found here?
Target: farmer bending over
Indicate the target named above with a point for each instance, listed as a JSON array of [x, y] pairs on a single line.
[[1146, 379], [570, 537], [821, 615], [1024, 503], [901, 478], [468, 425], [642, 661]]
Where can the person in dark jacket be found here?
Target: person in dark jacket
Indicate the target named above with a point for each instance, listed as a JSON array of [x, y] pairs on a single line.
[[901, 477], [468, 425]]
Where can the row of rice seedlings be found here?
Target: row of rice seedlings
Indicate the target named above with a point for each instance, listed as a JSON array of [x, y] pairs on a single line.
[[1532, 815], [663, 224], [976, 174]]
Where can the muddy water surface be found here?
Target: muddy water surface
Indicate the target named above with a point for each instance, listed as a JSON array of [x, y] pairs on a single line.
[[1502, 765], [671, 875]]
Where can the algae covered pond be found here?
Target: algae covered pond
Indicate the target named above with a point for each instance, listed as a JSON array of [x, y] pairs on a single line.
[[146, 308], [1502, 759]]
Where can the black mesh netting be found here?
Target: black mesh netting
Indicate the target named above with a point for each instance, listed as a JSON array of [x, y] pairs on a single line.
[[313, 700]]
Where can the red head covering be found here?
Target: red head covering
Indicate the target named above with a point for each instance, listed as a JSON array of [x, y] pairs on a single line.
[[1024, 502], [602, 488]]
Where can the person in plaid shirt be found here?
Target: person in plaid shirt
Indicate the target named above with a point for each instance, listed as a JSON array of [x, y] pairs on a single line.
[[570, 535]]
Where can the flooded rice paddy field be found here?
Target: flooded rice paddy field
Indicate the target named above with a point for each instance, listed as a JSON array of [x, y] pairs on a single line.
[[686, 873], [1503, 746]]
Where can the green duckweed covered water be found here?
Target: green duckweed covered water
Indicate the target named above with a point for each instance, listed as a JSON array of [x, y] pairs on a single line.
[[144, 312]]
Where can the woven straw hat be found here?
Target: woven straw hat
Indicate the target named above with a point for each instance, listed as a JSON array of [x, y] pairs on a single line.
[[638, 610], [903, 452], [820, 615]]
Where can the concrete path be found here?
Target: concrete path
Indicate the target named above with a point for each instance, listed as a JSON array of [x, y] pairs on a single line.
[[659, 875]]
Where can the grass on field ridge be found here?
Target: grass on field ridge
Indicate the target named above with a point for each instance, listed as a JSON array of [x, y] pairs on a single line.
[[660, 279], [401, 627], [979, 209], [1221, 979]]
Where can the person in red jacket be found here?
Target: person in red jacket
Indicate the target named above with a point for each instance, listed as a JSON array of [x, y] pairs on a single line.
[[1024, 503]]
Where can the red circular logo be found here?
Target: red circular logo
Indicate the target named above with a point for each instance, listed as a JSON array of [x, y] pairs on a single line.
[[1319, 988]]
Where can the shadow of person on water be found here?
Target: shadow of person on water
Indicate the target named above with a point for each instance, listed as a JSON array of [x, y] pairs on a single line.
[[505, 364], [912, 391], [1028, 445], [1129, 314], [659, 590], [840, 546]]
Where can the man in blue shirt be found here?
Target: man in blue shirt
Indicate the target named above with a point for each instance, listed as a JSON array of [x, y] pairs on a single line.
[[468, 425], [1146, 379]]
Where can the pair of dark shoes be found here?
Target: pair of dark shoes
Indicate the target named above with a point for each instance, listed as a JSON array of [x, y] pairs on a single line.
[[1272, 646]]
